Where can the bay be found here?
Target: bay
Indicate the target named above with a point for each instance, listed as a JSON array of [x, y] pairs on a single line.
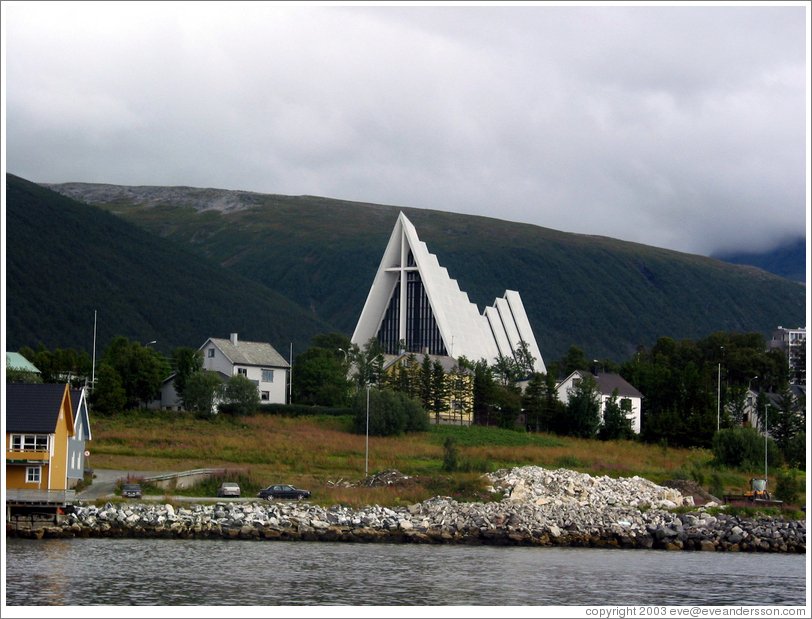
[[76, 572]]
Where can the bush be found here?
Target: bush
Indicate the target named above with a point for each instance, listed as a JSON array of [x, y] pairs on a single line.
[[788, 487], [743, 448], [390, 413], [451, 455], [795, 453], [302, 410]]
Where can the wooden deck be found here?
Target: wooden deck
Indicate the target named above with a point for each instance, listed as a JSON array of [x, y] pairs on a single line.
[[40, 498]]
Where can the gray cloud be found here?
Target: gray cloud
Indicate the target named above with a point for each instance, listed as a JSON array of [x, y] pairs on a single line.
[[682, 127]]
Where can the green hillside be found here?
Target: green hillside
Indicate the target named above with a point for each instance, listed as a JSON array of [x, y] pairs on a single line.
[[66, 259], [602, 295]]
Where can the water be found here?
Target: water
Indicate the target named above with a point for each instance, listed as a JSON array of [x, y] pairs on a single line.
[[231, 572]]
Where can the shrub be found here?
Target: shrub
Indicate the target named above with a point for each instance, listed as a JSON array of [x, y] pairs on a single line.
[[390, 413], [795, 452], [302, 410], [717, 487], [743, 447], [450, 455], [788, 487]]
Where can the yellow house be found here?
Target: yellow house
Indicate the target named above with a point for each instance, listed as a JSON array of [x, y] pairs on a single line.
[[39, 422], [404, 371]]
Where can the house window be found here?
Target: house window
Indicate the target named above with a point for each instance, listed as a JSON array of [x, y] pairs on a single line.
[[267, 376], [32, 474], [626, 405], [211, 352], [265, 396], [29, 442], [243, 371]]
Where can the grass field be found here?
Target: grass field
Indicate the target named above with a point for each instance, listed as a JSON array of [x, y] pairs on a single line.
[[320, 453]]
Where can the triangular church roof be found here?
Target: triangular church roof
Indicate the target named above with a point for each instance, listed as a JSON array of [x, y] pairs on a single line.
[[463, 330]]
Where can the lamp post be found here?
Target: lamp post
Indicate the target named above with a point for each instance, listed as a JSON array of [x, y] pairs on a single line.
[[366, 462], [765, 443], [719, 392]]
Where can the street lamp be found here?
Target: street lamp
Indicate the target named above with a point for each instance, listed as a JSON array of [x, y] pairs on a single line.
[[766, 406], [719, 392], [366, 462]]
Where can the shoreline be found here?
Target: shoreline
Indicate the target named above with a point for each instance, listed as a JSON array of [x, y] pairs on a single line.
[[439, 520]]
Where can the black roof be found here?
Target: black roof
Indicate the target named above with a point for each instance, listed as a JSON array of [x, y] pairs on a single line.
[[33, 407]]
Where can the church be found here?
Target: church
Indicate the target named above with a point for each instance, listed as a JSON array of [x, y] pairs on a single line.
[[413, 300]]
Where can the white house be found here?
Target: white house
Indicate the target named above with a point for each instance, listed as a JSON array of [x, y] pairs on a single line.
[[629, 398], [257, 361]]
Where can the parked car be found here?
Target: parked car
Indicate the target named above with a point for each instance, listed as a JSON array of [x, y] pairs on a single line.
[[228, 488], [131, 491], [283, 492]]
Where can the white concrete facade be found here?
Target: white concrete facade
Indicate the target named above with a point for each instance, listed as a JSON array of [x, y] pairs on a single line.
[[413, 300]]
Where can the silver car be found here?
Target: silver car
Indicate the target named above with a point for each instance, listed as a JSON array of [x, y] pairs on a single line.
[[228, 489]]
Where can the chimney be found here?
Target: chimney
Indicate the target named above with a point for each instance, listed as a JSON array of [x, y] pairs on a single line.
[[234, 339]]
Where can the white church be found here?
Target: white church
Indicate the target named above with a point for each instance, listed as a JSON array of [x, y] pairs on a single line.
[[413, 300]]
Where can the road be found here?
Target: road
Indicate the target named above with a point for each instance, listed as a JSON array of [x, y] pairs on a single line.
[[105, 480]]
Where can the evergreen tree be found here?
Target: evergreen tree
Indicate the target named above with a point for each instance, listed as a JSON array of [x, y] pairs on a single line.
[[787, 421], [186, 361], [533, 402], [616, 425], [583, 408], [439, 390]]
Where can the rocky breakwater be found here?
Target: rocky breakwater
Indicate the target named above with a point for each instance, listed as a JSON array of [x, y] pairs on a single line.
[[540, 508]]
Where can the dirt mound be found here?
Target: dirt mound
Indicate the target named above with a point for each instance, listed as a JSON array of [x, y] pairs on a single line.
[[688, 487]]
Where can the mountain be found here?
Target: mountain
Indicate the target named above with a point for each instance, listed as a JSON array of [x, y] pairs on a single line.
[[603, 295], [66, 260], [789, 260]]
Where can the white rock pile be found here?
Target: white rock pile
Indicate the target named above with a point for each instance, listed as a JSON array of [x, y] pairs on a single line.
[[541, 486]]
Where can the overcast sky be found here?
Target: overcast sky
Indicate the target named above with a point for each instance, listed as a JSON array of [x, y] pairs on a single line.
[[681, 127]]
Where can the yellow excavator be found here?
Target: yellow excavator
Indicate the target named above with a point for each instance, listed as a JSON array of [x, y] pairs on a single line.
[[757, 494]]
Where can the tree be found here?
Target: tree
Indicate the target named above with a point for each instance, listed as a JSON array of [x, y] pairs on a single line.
[[508, 403], [533, 402], [390, 413], [368, 363], [485, 392], [743, 448], [439, 390], [506, 369], [203, 390], [140, 369], [583, 408], [616, 425], [186, 362], [525, 361], [575, 359], [320, 378], [786, 421], [241, 396], [108, 396]]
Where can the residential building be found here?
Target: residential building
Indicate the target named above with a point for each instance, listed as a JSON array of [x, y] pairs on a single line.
[[790, 342], [414, 305], [39, 426], [257, 361], [629, 398], [16, 362], [77, 444]]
